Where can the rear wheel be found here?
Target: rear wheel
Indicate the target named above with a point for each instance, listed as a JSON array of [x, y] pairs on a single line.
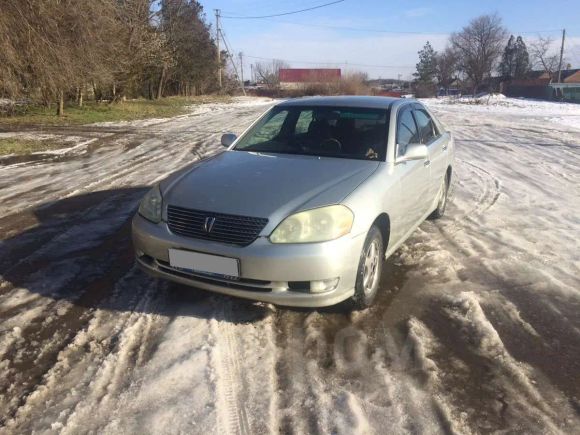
[[369, 270], [442, 203]]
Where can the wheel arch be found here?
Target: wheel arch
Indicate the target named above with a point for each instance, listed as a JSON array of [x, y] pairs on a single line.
[[383, 223]]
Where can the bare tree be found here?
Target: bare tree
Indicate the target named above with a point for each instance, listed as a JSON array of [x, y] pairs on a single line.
[[51, 50], [447, 63], [479, 46], [268, 72], [542, 57]]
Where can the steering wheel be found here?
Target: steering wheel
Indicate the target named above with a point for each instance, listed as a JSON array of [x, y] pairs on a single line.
[[331, 143]]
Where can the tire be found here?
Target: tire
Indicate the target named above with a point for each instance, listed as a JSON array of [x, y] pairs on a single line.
[[369, 268], [442, 203]]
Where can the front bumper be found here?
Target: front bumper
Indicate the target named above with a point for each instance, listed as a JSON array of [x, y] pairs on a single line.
[[267, 270]]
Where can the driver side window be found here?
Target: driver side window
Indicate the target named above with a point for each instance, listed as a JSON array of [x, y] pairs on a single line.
[[303, 122], [426, 126], [270, 129], [407, 132]]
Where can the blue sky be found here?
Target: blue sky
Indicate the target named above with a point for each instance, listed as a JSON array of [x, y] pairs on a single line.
[[320, 37]]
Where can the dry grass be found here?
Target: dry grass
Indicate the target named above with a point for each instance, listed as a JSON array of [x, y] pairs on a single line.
[[19, 146], [93, 112], [349, 84]]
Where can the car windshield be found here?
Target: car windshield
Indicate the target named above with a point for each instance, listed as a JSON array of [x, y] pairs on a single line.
[[344, 132]]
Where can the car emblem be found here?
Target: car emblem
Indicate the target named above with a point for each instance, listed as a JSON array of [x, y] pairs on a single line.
[[208, 224]]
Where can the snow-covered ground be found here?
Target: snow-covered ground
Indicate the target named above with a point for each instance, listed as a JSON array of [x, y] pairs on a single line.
[[567, 114], [476, 330]]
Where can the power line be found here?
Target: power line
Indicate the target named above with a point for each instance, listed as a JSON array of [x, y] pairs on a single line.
[[331, 63], [266, 7], [360, 29], [393, 32], [283, 13]]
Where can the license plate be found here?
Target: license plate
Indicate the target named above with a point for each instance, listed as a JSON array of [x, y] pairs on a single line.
[[204, 263]]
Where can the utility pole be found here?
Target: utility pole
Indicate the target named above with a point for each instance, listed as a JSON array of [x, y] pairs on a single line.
[[561, 56], [219, 55], [241, 66], [252, 73], [231, 57]]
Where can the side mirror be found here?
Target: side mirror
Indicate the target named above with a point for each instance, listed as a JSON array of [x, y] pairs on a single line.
[[228, 139], [414, 151]]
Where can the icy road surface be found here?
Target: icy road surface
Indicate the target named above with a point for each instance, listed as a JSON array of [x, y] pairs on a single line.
[[476, 329]]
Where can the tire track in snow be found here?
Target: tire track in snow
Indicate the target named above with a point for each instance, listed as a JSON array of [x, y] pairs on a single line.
[[494, 391], [57, 236], [164, 146], [231, 406], [79, 376], [296, 403], [243, 356], [486, 199], [61, 312], [127, 342], [507, 372]]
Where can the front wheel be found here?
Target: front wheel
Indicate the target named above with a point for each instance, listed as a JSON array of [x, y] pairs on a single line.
[[442, 203], [369, 270]]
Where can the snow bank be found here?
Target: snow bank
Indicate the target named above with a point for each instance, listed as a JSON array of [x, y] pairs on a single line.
[[566, 114]]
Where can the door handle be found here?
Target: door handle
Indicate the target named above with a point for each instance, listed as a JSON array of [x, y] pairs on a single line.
[[426, 162], [445, 147]]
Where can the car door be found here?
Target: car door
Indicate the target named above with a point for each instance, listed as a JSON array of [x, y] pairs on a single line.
[[437, 146], [414, 175]]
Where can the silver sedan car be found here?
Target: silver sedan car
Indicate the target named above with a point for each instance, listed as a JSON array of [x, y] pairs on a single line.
[[303, 208]]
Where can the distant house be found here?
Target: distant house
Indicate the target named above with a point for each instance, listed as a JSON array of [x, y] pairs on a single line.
[[569, 88], [291, 78], [539, 85]]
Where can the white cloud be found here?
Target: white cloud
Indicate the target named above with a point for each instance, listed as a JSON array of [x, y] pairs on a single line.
[[396, 52]]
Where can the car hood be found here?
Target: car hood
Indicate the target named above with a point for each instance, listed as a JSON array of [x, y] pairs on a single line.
[[265, 185]]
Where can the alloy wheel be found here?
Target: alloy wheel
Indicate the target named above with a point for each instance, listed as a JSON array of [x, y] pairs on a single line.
[[371, 267]]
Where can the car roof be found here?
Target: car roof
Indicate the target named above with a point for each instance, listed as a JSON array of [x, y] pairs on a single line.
[[366, 102]]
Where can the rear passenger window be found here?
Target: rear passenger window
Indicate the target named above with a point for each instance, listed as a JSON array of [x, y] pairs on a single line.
[[406, 131], [426, 126]]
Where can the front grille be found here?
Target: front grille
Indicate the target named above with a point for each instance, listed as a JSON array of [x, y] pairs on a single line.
[[227, 228]]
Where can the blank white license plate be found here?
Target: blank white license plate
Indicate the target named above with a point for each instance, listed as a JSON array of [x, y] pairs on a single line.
[[204, 263]]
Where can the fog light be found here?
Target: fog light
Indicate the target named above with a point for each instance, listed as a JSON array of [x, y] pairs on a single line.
[[279, 286], [323, 286]]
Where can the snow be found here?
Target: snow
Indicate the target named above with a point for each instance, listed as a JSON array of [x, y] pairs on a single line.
[[475, 330], [565, 114]]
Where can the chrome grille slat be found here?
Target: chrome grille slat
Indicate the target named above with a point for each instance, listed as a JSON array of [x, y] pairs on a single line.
[[182, 216], [217, 227], [232, 229], [194, 228], [185, 231], [217, 239]]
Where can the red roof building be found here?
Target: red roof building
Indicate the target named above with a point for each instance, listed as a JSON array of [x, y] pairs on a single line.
[[295, 76], [573, 78]]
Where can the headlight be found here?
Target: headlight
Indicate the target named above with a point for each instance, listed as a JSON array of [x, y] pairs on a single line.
[[150, 207], [317, 225]]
